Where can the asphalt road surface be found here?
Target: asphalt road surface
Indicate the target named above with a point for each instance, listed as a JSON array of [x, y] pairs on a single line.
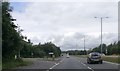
[[77, 63], [72, 63]]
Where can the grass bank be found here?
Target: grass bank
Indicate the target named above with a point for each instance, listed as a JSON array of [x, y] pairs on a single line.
[[0, 65], [83, 56], [112, 59], [15, 63]]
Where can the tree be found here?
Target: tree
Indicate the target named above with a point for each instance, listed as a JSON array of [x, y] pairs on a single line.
[[11, 39], [13, 42], [118, 48], [111, 48]]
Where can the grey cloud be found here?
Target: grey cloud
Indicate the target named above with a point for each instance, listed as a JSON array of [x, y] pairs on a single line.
[[65, 24]]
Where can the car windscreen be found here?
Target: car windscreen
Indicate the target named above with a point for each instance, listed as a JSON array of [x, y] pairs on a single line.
[[95, 54]]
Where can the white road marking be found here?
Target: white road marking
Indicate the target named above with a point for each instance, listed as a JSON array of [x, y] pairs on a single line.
[[90, 68], [87, 66], [57, 63], [47, 70], [61, 60], [83, 64], [54, 65]]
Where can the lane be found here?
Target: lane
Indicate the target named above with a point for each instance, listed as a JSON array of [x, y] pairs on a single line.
[[105, 65], [40, 64], [70, 63], [78, 63]]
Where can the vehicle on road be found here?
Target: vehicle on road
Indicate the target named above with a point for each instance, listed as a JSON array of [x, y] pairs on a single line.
[[94, 57], [67, 56]]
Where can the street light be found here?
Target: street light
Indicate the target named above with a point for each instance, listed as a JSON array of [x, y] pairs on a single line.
[[84, 45], [101, 18]]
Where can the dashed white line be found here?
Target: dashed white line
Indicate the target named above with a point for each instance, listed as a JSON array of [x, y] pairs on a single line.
[[47, 70], [57, 63], [83, 64], [54, 65], [90, 68], [87, 66], [61, 60]]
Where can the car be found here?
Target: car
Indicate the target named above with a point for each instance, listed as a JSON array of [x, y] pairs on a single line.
[[94, 57], [67, 56]]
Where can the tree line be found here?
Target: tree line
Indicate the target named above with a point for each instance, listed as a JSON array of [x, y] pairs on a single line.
[[110, 49], [13, 43], [40, 50], [77, 52]]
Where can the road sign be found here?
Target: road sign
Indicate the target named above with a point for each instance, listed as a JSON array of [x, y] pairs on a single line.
[[51, 53]]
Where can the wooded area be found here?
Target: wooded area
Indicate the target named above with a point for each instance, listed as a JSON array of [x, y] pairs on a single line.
[[14, 43], [111, 49]]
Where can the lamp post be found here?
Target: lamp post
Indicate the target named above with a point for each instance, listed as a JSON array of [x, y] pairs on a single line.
[[84, 46], [76, 46], [101, 18]]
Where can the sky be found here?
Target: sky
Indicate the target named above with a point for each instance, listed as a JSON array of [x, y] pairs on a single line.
[[66, 23]]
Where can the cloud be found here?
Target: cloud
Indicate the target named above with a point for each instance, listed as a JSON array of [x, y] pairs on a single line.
[[66, 23], [64, 0]]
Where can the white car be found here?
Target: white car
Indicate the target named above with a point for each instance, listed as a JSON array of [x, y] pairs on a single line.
[[68, 56]]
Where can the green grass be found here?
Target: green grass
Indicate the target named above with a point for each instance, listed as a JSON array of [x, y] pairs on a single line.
[[15, 63], [109, 59], [112, 59], [83, 56], [0, 65]]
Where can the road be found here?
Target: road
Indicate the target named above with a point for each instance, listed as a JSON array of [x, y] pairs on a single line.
[[69, 64], [78, 63]]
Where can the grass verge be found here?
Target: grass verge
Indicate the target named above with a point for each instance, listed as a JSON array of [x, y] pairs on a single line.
[[105, 58], [83, 56], [112, 59], [15, 63], [0, 65]]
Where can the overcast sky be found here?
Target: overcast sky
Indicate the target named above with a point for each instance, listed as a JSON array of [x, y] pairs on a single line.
[[66, 23]]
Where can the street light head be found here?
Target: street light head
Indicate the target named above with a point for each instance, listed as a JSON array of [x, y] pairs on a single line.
[[95, 17], [106, 17]]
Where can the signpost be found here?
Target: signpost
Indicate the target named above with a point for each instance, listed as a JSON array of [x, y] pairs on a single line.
[[52, 55]]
